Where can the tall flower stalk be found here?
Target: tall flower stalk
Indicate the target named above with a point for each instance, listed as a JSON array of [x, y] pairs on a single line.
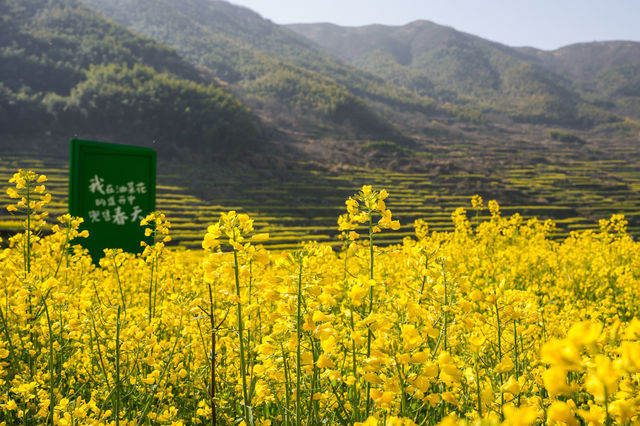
[[364, 208], [237, 229], [158, 230], [28, 186]]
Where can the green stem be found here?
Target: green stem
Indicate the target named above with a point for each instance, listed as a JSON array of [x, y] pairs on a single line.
[[299, 336], [155, 285], [287, 385], [250, 286], [500, 355], [445, 308], [515, 353], [150, 293], [370, 248], [346, 261], [478, 390], [515, 347], [63, 252], [117, 389], [100, 358], [608, 421], [29, 227], [28, 230], [369, 333], [52, 396], [424, 279], [354, 391], [212, 393], [8, 337], [147, 406], [403, 390], [243, 373], [115, 266], [312, 410]]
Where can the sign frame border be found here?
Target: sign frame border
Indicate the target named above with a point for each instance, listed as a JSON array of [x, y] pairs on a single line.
[[79, 146]]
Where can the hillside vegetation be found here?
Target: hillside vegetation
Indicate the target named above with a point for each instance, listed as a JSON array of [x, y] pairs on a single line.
[[528, 85], [409, 84], [275, 70], [66, 69]]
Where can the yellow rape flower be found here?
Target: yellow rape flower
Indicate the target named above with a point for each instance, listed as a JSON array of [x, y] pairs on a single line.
[[357, 294], [630, 356], [585, 332], [519, 416], [449, 397], [382, 397], [512, 386], [505, 365], [325, 362], [410, 336], [622, 410], [594, 416], [555, 381], [373, 378], [560, 413], [561, 353], [603, 380]]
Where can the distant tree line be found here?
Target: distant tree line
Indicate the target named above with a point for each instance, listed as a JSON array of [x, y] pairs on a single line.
[[121, 100]]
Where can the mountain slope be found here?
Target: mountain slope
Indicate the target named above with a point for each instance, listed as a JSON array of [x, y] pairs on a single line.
[[607, 71], [461, 68], [585, 61], [47, 45], [65, 68], [271, 67]]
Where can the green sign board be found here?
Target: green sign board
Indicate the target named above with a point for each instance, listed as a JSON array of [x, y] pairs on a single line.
[[112, 187]]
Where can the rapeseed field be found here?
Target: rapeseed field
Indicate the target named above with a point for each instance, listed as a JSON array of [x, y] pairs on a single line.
[[491, 323]]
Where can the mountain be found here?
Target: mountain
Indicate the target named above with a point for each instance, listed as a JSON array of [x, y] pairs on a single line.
[[210, 77], [607, 71], [296, 115], [585, 61], [285, 78], [64, 68], [460, 68]]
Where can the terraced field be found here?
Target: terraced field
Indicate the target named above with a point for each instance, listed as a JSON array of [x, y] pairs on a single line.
[[573, 187]]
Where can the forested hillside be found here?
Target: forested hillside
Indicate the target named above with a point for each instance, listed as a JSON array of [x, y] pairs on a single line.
[[212, 78], [607, 72], [288, 124], [463, 69], [66, 69], [279, 73]]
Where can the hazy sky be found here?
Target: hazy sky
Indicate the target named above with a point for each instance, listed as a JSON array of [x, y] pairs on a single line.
[[545, 24]]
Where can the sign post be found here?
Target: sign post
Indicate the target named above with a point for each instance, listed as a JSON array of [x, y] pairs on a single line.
[[112, 187]]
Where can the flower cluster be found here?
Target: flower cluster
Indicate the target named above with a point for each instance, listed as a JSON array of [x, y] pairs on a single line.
[[362, 208], [30, 191], [492, 323], [236, 228]]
